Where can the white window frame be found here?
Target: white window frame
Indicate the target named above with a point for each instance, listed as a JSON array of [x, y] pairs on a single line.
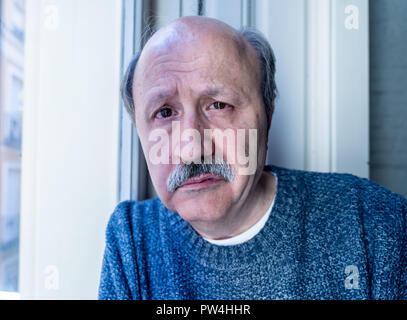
[[337, 119], [70, 145]]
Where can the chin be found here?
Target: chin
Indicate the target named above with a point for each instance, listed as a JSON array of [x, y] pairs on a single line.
[[208, 204]]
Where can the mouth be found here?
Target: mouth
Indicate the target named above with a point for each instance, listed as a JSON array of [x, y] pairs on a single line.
[[201, 182]]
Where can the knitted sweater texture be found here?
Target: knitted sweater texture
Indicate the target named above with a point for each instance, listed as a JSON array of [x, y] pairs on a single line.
[[329, 236]]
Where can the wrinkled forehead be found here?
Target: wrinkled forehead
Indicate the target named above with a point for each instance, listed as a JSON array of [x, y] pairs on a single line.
[[220, 55], [181, 44]]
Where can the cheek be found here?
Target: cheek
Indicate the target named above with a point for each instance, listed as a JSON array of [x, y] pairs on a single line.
[[158, 171], [159, 174]]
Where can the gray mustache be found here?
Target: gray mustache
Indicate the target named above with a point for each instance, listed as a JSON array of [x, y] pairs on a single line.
[[184, 172]]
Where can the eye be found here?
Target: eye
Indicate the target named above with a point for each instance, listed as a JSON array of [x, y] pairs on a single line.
[[164, 113], [218, 105]]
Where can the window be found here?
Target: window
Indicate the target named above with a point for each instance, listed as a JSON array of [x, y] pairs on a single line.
[[11, 101], [69, 145]]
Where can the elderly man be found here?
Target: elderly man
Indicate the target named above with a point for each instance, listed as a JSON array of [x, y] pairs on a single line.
[[218, 231]]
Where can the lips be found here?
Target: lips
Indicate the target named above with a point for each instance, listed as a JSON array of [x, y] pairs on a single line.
[[202, 181]]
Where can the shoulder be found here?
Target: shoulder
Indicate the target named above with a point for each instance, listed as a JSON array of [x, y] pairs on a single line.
[[129, 210], [132, 221], [346, 193], [319, 185], [384, 212]]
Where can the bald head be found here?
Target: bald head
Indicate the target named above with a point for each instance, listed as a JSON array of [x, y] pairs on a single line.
[[198, 38], [191, 29], [195, 37]]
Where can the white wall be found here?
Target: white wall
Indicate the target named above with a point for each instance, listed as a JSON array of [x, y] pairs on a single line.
[[70, 145], [282, 22], [321, 122], [350, 87]]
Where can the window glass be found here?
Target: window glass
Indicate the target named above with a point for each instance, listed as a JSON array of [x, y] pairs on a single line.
[[12, 17]]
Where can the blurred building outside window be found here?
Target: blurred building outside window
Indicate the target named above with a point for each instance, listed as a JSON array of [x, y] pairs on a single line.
[[12, 17]]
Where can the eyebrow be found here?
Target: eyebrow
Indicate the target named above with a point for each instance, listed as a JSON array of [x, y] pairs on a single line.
[[163, 95], [210, 92], [236, 96], [160, 96]]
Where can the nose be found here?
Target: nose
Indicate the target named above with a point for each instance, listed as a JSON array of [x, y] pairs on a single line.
[[192, 120], [192, 146]]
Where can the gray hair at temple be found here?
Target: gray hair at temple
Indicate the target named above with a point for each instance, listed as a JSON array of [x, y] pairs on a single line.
[[267, 64]]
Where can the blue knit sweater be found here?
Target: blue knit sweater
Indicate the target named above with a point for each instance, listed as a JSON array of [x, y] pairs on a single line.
[[329, 236]]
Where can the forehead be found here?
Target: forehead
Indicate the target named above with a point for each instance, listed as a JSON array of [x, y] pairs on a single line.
[[194, 62]]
